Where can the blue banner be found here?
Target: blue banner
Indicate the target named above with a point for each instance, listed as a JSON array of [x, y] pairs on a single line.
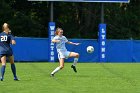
[[51, 45], [102, 42], [107, 1]]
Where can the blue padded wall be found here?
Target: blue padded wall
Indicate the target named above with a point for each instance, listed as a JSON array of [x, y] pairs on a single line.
[[36, 49]]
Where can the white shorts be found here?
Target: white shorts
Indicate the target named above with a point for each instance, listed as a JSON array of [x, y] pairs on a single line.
[[63, 54]]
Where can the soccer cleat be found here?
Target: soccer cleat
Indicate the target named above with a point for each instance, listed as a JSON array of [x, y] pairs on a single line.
[[16, 79], [74, 68], [52, 75], [1, 79]]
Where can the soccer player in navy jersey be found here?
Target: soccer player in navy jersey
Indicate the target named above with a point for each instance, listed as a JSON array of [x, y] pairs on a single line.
[[6, 51]]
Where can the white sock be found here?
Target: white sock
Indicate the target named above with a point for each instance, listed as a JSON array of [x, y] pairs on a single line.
[[75, 61], [56, 70]]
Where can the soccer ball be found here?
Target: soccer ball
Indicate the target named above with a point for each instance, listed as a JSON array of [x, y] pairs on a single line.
[[90, 49]]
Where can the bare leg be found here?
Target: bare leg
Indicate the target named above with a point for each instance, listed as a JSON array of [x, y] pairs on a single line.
[[76, 57], [3, 60], [61, 62]]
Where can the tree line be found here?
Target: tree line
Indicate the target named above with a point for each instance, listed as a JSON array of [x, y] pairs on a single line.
[[79, 20]]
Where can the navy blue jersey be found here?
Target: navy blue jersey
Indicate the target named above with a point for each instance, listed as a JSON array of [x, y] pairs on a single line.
[[5, 40]]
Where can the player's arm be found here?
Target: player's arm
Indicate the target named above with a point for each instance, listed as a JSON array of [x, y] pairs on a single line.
[[72, 43], [55, 41], [13, 42], [68, 42]]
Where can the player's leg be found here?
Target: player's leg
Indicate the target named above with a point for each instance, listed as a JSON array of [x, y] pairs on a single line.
[[76, 57], [13, 67], [61, 62], [3, 61]]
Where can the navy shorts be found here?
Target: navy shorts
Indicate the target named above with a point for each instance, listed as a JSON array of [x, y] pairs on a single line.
[[6, 53]]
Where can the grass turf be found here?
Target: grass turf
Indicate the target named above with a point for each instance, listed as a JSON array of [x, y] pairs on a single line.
[[91, 78]]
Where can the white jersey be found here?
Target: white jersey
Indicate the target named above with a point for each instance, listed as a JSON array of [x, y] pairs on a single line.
[[60, 46]]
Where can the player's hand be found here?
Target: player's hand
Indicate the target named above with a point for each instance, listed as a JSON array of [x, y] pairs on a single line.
[[13, 42], [57, 41], [77, 44]]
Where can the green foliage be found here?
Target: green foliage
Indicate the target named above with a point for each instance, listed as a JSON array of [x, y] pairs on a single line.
[[79, 20], [123, 20]]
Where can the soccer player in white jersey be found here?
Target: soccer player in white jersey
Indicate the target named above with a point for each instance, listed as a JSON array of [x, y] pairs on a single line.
[[60, 41]]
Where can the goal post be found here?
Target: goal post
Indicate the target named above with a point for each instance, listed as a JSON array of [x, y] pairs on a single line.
[[105, 1]]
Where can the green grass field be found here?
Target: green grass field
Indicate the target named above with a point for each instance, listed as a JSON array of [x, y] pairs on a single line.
[[91, 78]]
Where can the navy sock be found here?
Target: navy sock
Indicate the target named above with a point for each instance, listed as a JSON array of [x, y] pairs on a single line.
[[13, 68], [3, 70]]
